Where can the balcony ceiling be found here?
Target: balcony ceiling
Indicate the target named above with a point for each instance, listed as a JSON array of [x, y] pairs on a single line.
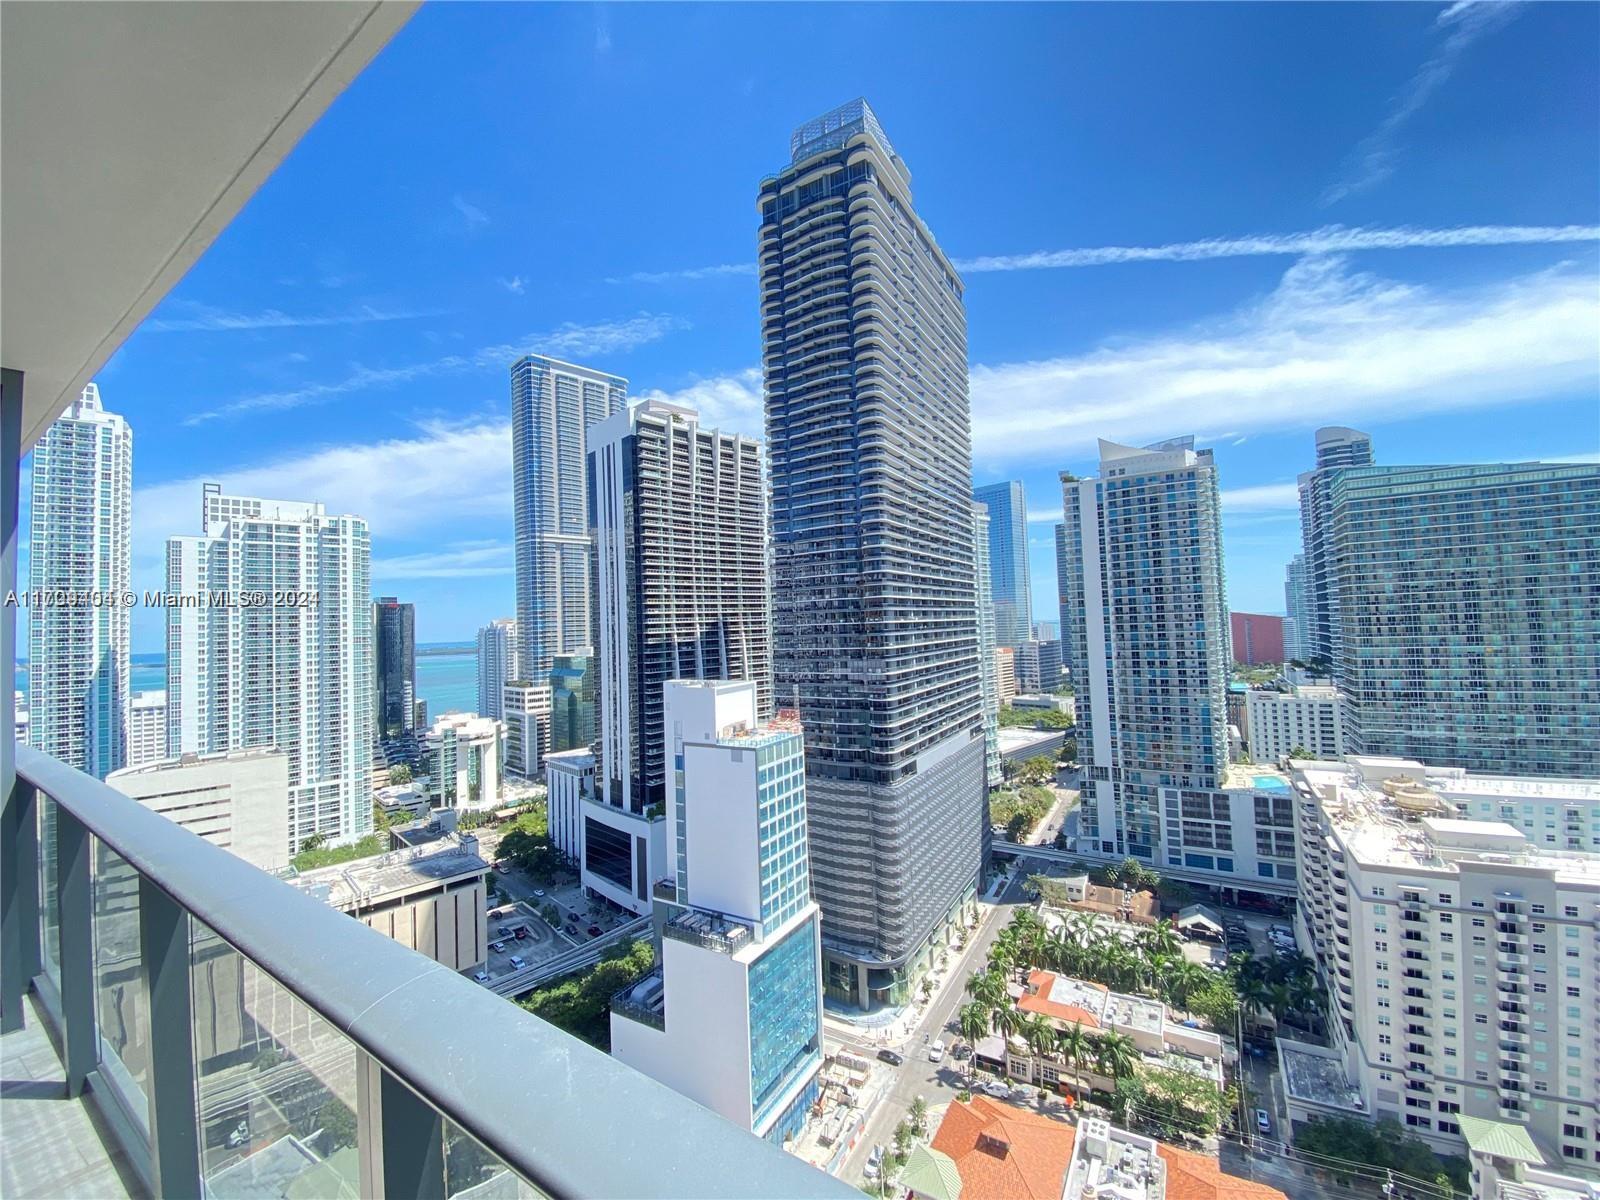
[[130, 135]]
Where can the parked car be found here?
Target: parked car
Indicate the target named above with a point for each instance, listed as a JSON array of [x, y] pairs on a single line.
[[936, 1050], [593, 931], [997, 1089], [1263, 1122], [1022, 1092], [962, 1052], [481, 976], [572, 930], [874, 1162], [890, 1057], [498, 947], [539, 892], [504, 931], [516, 961], [521, 932]]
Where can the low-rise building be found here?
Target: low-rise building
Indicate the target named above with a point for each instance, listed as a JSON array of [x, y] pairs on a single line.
[[236, 799], [1460, 958], [1045, 703], [1144, 1020], [403, 801], [1017, 745], [999, 1149], [460, 761], [430, 897], [1304, 717], [1506, 1165]]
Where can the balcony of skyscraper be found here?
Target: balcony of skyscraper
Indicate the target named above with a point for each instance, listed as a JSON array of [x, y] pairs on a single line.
[[173, 1020]]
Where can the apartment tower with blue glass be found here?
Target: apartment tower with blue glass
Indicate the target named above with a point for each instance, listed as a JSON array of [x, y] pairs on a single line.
[[80, 542], [1467, 613], [1009, 578], [732, 1017], [553, 404], [875, 599], [1317, 631]]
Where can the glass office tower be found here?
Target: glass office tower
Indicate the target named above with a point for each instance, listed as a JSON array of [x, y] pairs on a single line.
[[394, 658], [1009, 577], [875, 621], [552, 406]]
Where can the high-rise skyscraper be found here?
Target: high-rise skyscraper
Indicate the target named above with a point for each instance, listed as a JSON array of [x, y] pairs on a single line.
[[1336, 447], [294, 672], [79, 543], [497, 665], [874, 597], [552, 406], [1466, 613], [679, 526], [733, 1018], [1146, 636], [394, 660], [989, 685], [147, 728], [1047, 631], [1009, 577], [1296, 622]]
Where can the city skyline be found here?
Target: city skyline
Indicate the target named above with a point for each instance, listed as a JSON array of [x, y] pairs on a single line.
[[357, 380]]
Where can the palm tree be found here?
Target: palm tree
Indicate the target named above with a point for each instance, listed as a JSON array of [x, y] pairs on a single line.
[[1161, 938], [1115, 1055], [988, 988], [1075, 1049], [1254, 994], [1184, 980], [975, 1019], [1007, 1020]]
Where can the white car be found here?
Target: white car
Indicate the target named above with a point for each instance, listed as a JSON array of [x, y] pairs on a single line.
[[997, 1089], [516, 961], [936, 1051], [481, 976], [1263, 1122]]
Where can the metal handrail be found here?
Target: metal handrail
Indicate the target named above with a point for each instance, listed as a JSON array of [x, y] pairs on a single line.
[[570, 1120]]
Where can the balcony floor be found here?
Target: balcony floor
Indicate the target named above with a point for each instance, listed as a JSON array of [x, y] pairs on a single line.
[[54, 1147]]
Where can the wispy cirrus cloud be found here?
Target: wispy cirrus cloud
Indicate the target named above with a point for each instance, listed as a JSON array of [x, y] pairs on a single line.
[[1375, 156], [474, 217], [720, 271], [1326, 346], [455, 560], [205, 318], [571, 338], [1330, 239], [1265, 497], [516, 285]]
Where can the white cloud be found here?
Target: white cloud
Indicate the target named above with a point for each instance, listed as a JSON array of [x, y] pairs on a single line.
[[459, 560], [1327, 346], [1042, 516], [516, 285], [1374, 158], [474, 216], [1262, 498], [605, 337], [444, 477], [1330, 239], [733, 403], [719, 271], [205, 318]]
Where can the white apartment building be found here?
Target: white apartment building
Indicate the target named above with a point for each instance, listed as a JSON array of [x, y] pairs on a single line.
[[1557, 814], [1305, 716], [526, 709], [147, 728], [79, 542], [461, 755], [232, 798], [293, 672], [1005, 674], [569, 780], [733, 1018], [497, 665], [1460, 957], [988, 682]]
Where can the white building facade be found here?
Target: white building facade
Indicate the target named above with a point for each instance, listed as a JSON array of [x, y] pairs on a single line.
[[295, 674], [147, 728], [461, 755], [1460, 958], [989, 684], [232, 798], [527, 715], [80, 544], [497, 665], [733, 1018], [1304, 717], [569, 779]]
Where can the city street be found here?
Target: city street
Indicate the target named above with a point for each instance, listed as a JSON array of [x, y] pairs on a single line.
[[937, 1083]]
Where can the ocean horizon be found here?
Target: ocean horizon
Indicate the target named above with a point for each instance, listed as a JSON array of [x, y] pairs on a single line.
[[447, 675]]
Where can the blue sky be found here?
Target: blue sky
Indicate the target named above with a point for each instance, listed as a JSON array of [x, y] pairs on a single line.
[[581, 180]]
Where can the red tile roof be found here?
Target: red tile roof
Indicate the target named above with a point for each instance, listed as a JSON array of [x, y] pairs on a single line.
[[1004, 1152], [1192, 1176], [1037, 1000]]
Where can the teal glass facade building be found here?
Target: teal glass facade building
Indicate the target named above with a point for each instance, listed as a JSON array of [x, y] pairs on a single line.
[[1010, 581]]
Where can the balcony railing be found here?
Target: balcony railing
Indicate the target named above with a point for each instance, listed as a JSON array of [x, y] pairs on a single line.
[[225, 1023]]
